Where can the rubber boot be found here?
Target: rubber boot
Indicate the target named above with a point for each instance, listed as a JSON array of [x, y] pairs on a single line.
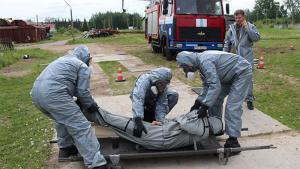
[[250, 105], [65, 153], [232, 142]]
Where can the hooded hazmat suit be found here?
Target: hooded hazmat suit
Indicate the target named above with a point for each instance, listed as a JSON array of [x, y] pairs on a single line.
[[53, 92], [241, 43], [184, 130], [147, 105], [222, 74]]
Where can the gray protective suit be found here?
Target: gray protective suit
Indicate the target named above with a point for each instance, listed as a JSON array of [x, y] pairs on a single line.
[[242, 44], [142, 97], [222, 74], [53, 92], [182, 131]]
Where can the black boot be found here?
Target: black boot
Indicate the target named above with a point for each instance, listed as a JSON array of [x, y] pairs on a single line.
[[101, 167], [65, 153], [232, 142], [250, 105]]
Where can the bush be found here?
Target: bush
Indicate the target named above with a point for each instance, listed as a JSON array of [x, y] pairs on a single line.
[[61, 30], [259, 24]]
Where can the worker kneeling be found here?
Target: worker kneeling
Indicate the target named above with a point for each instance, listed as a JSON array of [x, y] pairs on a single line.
[[222, 74], [151, 98], [53, 93]]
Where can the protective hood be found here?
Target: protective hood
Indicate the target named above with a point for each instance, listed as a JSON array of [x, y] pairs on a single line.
[[161, 73], [189, 58], [82, 53]]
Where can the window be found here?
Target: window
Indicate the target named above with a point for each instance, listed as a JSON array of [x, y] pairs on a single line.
[[205, 7]]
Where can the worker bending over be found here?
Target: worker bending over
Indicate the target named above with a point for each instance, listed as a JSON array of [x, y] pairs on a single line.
[[53, 93], [222, 74]]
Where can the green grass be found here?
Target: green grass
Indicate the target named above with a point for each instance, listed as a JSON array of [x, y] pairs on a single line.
[[59, 36], [110, 68], [279, 58], [12, 56], [24, 131], [120, 39], [56, 37], [278, 98], [277, 88], [272, 34]]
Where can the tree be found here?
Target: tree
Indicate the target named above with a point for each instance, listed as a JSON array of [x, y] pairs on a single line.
[[84, 26], [265, 9], [294, 8], [115, 20]]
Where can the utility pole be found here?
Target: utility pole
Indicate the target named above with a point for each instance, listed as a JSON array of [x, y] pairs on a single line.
[[37, 19], [277, 6], [72, 26]]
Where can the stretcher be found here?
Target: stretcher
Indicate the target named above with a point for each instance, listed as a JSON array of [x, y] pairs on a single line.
[[116, 149]]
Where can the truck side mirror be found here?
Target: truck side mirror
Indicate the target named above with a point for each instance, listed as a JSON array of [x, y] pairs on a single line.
[[227, 8]]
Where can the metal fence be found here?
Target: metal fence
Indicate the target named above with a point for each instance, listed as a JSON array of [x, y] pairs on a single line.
[[6, 44]]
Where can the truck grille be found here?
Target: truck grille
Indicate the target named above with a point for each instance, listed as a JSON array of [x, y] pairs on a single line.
[[200, 34]]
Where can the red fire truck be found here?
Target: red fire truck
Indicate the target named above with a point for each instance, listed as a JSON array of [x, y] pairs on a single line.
[[172, 26]]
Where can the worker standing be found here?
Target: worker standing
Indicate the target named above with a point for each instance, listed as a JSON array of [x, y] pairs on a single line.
[[53, 93], [222, 74], [151, 98], [240, 38]]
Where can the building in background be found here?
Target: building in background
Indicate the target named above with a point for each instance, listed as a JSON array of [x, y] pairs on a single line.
[[19, 31]]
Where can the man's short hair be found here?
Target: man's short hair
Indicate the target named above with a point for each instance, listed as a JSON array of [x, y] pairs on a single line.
[[239, 12]]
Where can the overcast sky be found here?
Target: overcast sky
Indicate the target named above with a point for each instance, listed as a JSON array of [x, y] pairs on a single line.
[[28, 9]]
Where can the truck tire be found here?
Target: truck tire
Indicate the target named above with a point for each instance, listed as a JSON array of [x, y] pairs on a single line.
[[155, 49], [167, 52]]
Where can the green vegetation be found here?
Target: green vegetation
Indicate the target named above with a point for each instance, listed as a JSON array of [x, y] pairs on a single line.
[[120, 39], [24, 131], [118, 88], [115, 20], [277, 88], [61, 35], [278, 97], [277, 34], [12, 56]]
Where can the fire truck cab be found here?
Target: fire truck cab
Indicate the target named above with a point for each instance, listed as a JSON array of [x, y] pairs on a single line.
[[172, 26]]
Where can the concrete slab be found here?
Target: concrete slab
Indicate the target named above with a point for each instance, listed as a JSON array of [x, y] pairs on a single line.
[[136, 65], [110, 57], [132, 63]]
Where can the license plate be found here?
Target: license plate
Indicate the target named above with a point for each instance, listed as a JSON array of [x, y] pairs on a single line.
[[200, 47]]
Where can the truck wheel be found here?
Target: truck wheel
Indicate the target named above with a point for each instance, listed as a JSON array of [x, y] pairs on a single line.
[[155, 49], [167, 53]]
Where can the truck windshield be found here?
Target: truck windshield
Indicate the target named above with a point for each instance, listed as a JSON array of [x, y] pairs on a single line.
[[205, 7]]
